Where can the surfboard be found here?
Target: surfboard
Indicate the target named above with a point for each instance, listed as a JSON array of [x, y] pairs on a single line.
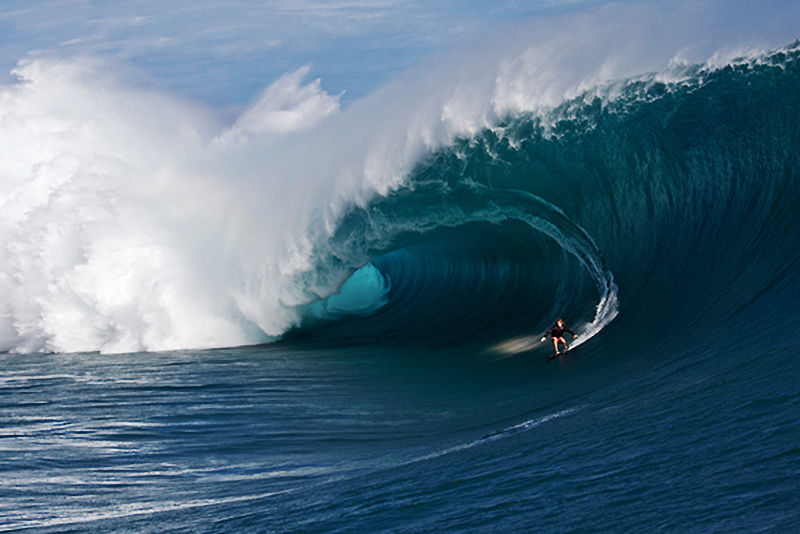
[[554, 356]]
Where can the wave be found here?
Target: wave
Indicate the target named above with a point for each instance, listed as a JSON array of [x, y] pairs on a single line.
[[130, 223], [668, 201]]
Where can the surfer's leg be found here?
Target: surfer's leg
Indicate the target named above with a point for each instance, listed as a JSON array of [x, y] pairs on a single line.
[[555, 344]]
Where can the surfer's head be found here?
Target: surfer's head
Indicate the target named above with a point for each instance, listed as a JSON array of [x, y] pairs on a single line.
[[560, 322]]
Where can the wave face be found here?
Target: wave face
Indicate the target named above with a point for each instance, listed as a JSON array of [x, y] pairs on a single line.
[[644, 205], [667, 202]]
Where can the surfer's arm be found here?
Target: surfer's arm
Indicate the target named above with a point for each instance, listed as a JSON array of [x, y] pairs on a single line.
[[544, 337]]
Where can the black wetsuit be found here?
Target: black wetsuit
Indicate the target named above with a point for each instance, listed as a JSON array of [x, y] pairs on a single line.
[[558, 331]]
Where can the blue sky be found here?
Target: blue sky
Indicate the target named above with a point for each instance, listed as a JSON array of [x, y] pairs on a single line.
[[224, 52]]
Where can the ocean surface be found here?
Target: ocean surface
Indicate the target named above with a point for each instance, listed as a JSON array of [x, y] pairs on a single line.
[[385, 372]]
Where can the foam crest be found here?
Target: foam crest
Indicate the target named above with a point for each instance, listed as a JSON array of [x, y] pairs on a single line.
[[287, 106]]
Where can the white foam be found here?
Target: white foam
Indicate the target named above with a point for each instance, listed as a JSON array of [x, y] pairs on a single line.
[[21, 521], [288, 106], [503, 434]]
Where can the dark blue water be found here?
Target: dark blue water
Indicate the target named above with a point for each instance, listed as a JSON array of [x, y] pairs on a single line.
[[660, 223], [282, 440]]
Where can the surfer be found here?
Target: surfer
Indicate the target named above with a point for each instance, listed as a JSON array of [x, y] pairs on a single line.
[[557, 334]]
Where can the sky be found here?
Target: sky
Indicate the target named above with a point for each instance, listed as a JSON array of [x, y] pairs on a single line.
[[224, 52]]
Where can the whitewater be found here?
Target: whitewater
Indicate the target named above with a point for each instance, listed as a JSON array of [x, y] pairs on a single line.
[[316, 315]]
